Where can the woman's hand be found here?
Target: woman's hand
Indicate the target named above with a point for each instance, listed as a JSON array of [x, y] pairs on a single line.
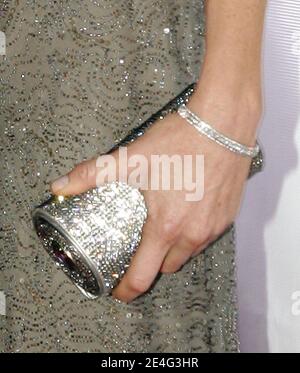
[[228, 96], [177, 229]]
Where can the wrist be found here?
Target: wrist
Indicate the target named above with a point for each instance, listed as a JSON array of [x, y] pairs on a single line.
[[233, 109], [229, 98]]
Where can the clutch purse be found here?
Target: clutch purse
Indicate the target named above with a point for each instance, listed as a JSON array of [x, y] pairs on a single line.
[[93, 236]]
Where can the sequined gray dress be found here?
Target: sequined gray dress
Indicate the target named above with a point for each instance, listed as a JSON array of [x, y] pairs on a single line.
[[76, 77]]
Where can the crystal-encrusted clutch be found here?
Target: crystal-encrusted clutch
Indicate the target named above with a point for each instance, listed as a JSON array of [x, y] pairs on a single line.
[[94, 235]]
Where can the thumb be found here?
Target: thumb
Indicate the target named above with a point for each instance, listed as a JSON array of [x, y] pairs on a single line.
[[79, 180], [87, 175]]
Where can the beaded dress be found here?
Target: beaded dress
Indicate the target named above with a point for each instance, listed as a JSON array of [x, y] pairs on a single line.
[[75, 78]]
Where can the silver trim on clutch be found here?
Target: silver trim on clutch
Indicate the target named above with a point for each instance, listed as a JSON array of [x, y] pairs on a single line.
[[93, 236]]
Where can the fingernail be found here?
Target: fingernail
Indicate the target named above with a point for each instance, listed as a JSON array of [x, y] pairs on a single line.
[[60, 183]]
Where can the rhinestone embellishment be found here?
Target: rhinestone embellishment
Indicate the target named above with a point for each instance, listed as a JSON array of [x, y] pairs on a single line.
[[93, 236], [207, 130]]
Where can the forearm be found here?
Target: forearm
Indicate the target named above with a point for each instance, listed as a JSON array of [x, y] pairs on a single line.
[[230, 78], [233, 38]]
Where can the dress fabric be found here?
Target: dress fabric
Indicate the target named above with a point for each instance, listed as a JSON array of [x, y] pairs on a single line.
[[76, 77]]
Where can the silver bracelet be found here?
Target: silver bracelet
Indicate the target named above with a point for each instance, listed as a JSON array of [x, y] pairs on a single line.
[[207, 130]]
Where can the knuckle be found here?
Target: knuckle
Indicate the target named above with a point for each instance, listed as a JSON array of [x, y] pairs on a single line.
[[138, 285], [170, 229], [197, 234], [193, 239]]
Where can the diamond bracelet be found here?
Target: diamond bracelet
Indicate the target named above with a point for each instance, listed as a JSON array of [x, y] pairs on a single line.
[[207, 130]]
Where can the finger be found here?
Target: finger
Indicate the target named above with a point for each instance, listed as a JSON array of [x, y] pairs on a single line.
[[80, 179], [88, 175], [143, 269], [177, 256], [201, 248]]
